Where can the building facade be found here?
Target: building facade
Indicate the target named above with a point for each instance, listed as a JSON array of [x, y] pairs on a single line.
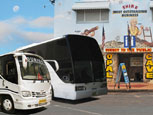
[[123, 29]]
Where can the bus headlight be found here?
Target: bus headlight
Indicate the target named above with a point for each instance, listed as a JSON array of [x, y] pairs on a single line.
[[80, 88], [26, 94]]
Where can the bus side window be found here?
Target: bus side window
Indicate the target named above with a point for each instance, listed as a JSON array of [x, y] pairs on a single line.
[[1, 68], [11, 73], [8, 69]]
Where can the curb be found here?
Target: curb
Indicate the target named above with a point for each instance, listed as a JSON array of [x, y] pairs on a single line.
[[132, 90]]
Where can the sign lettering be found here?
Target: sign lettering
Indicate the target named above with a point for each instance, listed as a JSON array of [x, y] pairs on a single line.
[[149, 66], [109, 68]]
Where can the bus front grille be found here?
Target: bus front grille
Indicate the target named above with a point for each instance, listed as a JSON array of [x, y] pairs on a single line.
[[39, 94]]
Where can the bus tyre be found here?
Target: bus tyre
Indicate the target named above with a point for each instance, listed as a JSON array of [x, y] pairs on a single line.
[[7, 105]]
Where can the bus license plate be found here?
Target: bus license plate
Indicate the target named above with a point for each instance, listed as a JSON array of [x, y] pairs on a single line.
[[42, 101]]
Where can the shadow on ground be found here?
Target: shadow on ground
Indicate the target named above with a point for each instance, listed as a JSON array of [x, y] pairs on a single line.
[[76, 101], [25, 112]]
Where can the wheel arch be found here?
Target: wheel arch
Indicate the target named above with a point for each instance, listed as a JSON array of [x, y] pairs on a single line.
[[4, 95]]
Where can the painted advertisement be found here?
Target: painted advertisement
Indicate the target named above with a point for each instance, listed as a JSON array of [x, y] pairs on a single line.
[[136, 29], [127, 20], [129, 23], [123, 29]]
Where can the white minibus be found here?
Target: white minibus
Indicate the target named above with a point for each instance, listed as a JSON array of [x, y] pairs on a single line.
[[24, 82]]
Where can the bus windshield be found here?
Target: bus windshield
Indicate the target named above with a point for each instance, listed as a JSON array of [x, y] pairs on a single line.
[[87, 60], [36, 69]]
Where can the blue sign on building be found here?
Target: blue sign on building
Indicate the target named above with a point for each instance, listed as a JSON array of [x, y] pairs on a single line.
[[122, 70], [126, 42]]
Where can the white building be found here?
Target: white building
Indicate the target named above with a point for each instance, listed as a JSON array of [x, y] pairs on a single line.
[[117, 17]]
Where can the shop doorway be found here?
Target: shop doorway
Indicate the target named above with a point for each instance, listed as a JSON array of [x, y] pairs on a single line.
[[134, 66]]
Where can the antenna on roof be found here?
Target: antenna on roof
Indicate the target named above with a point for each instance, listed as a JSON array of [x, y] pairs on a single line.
[[52, 1]]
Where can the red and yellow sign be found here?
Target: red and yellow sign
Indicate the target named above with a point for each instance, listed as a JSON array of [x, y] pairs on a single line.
[[126, 50], [109, 68], [149, 66]]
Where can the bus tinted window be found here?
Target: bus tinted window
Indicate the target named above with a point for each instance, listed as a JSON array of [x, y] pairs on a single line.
[[56, 50], [8, 69], [75, 55], [59, 51], [87, 58]]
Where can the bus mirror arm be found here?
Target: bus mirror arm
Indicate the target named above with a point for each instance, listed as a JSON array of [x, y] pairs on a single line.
[[55, 63], [1, 77], [3, 84]]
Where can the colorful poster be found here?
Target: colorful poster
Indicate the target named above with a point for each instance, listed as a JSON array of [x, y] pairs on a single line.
[[120, 18]]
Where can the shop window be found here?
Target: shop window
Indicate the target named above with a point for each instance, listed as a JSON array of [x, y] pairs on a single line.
[[94, 15]]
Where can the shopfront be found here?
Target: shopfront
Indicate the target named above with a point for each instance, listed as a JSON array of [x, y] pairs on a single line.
[[138, 62], [134, 66]]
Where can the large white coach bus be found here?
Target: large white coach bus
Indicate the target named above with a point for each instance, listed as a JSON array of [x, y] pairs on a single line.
[[24, 82], [81, 70]]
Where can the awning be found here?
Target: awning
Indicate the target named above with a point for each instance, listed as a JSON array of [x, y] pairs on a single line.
[[91, 5], [151, 4]]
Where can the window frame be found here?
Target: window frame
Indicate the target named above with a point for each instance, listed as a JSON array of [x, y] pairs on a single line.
[[5, 61], [94, 21]]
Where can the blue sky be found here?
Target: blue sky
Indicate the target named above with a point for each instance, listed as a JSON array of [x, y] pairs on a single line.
[[23, 22]]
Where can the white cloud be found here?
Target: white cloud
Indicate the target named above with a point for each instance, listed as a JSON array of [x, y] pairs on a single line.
[[42, 22], [15, 29], [18, 21], [5, 30], [16, 8], [36, 36]]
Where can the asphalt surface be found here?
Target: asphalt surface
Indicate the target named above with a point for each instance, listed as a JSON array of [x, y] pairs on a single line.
[[116, 103]]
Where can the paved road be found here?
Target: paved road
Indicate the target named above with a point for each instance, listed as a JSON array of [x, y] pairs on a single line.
[[140, 103]]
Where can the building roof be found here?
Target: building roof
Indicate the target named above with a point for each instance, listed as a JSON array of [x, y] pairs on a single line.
[[91, 5]]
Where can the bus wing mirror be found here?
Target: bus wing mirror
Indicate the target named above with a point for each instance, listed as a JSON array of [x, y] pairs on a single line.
[[54, 64], [1, 76], [24, 61]]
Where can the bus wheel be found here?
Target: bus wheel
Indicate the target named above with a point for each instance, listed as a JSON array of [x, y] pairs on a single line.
[[7, 105]]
